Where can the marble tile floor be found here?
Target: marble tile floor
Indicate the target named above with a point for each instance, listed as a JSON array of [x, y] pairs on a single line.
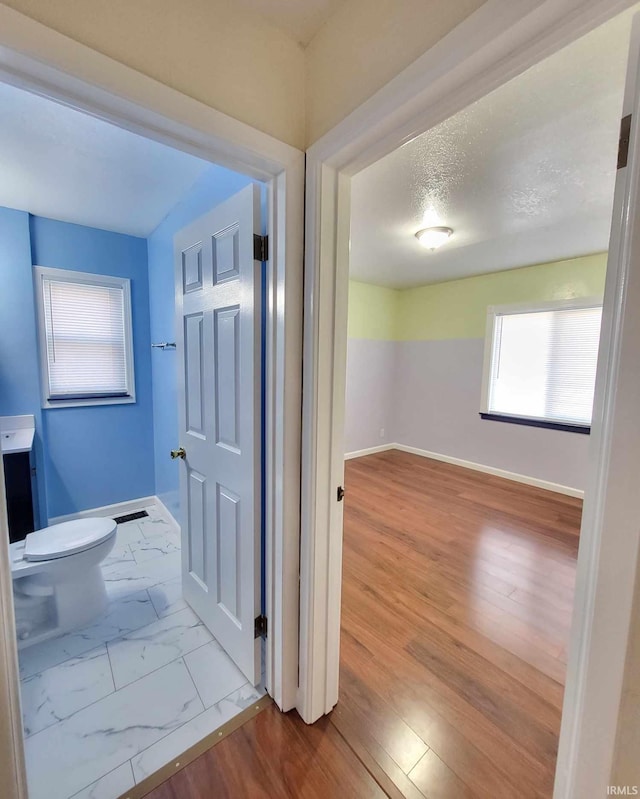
[[106, 706]]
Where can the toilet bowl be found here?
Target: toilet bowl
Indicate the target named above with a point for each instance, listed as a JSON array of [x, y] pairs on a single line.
[[60, 566]]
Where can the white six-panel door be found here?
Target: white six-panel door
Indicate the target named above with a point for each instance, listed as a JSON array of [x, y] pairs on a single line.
[[218, 342]]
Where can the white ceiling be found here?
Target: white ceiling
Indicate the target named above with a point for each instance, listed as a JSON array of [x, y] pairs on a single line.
[[60, 163], [300, 19], [524, 176]]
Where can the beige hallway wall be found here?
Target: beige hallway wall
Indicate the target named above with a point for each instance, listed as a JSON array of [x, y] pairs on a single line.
[[364, 45], [208, 49], [234, 61]]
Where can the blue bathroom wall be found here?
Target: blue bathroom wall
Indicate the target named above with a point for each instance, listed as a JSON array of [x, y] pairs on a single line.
[[101, 454], [214, 186], [19, 371]]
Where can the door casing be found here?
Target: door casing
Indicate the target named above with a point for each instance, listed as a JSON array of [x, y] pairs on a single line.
[[47, 63], [496, 43]]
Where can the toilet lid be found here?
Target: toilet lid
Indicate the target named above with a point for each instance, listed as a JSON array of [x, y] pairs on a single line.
[[68, 538]]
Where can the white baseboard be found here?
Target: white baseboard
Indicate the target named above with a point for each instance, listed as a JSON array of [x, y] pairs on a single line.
[[479, 467], [118, 509], [121, 509], [360, 453], [167, 513]]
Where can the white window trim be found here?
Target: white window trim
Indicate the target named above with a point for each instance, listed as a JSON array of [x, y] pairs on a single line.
[[524, 307], [87, 278]]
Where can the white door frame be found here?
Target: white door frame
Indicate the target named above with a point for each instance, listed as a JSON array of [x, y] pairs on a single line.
[[496, 43], [47, 63]]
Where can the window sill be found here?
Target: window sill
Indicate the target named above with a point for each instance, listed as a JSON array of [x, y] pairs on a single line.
[[87, 402], [567, 428]]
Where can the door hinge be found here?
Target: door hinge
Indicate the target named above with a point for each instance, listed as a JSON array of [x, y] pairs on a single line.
[[260, 248], [260, 627], [340, 493], [623, 144]]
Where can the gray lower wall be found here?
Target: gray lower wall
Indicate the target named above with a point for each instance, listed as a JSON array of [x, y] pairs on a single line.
[[426, 394], [369, 393]]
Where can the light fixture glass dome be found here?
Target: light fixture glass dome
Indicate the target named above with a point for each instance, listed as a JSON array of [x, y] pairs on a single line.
[[433, 237]]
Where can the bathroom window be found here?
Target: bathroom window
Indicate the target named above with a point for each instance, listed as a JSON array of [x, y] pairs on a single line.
[[86, 347], [540, 364]]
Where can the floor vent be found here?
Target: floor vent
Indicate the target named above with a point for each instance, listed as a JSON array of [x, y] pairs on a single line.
[[130, 517]]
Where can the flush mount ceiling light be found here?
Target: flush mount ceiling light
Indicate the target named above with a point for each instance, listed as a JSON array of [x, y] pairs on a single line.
[[433, 237]]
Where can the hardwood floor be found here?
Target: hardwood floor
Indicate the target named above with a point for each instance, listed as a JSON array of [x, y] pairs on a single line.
[[275, 756], [457, 595]]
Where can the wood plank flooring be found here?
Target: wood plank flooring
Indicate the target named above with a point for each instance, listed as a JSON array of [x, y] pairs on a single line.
[[275, 756], [457, 596]]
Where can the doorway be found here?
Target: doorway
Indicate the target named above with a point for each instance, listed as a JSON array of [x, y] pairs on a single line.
[[332, 175], [147, 525], [466, 452], [104, 630]]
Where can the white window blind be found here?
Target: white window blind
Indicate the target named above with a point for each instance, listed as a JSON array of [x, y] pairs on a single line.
[[543, 364], [86, 330]]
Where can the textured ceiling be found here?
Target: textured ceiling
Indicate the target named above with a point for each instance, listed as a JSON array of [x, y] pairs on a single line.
[[300, 19], [523, 176], [62, 164]]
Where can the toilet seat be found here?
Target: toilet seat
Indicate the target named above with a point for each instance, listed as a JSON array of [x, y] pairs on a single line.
[[68, 538]]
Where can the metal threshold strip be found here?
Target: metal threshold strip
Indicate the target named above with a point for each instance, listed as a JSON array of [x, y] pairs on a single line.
[[163, 774]]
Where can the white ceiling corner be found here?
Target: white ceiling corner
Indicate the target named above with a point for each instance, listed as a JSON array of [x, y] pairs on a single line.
[[523, 176]]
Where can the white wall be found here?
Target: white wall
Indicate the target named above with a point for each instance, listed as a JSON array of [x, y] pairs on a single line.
[[626, 769], [437, 386], [369, 394], [426, 395]]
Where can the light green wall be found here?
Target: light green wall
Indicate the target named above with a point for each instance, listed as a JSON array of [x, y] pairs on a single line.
[[373, 311], [458, 308]]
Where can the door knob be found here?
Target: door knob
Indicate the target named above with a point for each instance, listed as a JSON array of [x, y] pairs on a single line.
[[178, 453]]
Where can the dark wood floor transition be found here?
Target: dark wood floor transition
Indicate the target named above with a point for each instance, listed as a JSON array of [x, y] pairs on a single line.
[[457, 596]]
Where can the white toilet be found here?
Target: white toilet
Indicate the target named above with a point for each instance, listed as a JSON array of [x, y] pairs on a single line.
[[57, 580]]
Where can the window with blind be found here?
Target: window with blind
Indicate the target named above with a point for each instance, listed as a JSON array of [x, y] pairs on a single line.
[[85, 338], [540, 364]]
